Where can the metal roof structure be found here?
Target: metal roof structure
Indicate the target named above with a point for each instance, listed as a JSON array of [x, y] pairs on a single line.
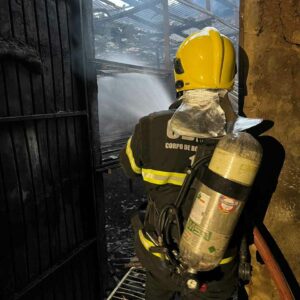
[[142, 36], [148, 32]]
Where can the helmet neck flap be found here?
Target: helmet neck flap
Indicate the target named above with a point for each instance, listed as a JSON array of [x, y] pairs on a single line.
[[200, 114]]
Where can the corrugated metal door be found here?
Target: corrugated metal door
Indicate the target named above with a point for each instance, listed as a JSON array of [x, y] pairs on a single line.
[[49, 216]]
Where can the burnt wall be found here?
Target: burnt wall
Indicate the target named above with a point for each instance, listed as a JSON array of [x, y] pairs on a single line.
[[49, 232], [271, 39]]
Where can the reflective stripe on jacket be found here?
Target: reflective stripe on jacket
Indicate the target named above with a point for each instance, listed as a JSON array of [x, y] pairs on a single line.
[[153, 176], [156, 153], [161, 158]]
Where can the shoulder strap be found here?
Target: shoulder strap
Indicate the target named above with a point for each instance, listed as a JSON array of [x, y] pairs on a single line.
[[170, 213], [202, 158]]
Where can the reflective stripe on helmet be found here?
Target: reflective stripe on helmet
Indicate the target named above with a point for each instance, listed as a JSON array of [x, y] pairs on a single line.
[[129, 154], [162, 177]]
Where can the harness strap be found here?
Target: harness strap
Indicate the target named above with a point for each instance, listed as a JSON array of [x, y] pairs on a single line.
[[149, 244]]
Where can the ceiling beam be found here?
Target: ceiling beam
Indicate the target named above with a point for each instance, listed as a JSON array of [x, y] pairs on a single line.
[[131, 2], [172, 16], [127, 13], [145, 22], [208, 13], [104, 10], [110, 4], [189, 24], [227, 3]]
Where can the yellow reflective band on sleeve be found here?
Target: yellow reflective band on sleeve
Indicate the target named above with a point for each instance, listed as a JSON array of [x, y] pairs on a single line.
[[154, 176], [226, 260], [148, 244], [162, 177], [129, 154]]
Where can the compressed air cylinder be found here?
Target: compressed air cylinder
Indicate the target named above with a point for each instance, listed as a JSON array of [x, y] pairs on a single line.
[[219, 200]]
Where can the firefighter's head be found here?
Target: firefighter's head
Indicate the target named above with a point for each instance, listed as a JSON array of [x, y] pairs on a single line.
[[205, 60]]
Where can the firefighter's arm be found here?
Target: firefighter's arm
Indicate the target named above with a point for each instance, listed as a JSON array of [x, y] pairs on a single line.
[[130, 155]]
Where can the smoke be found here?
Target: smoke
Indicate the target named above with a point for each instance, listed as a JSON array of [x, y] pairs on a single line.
[[122, 58], [124, 98]]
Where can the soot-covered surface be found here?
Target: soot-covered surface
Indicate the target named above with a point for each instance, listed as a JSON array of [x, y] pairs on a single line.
[[122, 199]]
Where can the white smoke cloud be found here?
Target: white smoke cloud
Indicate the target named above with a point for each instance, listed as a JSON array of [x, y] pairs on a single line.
[[124, 98]]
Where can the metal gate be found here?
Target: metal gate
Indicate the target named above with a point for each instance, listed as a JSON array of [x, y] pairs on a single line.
[[50, 211]]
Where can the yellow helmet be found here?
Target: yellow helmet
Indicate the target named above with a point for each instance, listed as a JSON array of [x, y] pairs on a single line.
[[205, 59]]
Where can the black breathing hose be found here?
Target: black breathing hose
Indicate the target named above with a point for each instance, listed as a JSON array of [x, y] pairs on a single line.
[[169, 212]]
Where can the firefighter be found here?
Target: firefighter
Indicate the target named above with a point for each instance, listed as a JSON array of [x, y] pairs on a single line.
[[162, 148]]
